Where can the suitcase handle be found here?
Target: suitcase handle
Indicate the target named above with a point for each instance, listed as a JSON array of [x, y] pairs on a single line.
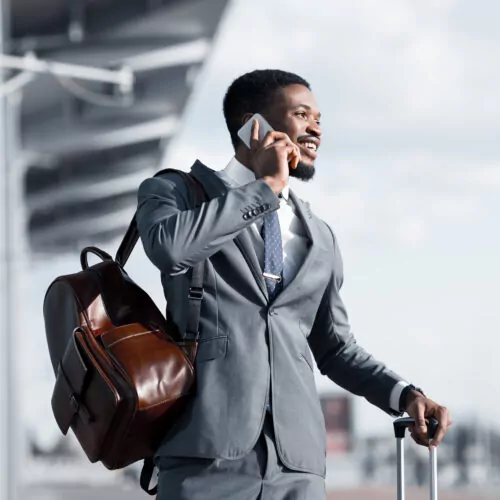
[[400, 426]]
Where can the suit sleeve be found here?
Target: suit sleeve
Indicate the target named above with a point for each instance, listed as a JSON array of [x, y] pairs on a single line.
[[176, 236], [337, 354]]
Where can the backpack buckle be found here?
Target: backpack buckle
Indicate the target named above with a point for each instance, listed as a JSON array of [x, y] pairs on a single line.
[[195, 293]]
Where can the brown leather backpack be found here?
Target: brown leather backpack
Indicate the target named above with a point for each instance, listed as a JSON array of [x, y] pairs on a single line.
[[122, 372]]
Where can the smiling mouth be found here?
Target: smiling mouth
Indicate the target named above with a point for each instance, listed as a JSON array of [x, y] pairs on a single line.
[[311, 146], [309, 149]]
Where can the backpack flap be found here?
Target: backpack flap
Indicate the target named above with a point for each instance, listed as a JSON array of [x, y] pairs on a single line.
[[66, 398]]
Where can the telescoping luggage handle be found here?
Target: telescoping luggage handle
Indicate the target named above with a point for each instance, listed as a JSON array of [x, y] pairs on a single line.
[[400, 426]]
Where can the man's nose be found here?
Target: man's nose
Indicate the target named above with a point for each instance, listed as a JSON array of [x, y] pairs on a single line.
[[314, 128]]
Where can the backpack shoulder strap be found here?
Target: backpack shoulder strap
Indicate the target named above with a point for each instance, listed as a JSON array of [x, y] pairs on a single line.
[[132, 235], [195, 297]]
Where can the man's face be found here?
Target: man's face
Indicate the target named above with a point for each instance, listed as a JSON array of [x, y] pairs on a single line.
[[295, 112]]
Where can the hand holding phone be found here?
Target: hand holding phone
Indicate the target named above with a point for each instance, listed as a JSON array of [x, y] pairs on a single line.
[[271, 154], [245, 132]]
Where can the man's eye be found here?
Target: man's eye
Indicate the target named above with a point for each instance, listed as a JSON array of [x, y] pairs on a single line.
[[302, 114]]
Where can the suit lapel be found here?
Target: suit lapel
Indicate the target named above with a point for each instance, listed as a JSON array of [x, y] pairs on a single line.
[[244, 243], [215, 186], [304, 213]]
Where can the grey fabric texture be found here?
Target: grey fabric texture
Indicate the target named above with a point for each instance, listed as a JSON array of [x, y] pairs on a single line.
[[259, 475], [249, 343]]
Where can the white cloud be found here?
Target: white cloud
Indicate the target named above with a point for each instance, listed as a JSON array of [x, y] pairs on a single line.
[[412, 231], [408, 174], [485, 177]]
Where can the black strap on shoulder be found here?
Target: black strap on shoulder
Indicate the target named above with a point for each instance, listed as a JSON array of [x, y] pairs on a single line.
[[197, 272], [132, 235], [195, 298], [146, 474], [195, 295]]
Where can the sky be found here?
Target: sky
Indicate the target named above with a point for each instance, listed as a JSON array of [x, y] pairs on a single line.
[[408, 175]]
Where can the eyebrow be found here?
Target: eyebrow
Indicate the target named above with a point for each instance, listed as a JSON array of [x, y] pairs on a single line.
[[306, 106]]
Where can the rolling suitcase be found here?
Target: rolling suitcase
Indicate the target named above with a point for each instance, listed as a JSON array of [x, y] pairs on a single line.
[[400, 426]]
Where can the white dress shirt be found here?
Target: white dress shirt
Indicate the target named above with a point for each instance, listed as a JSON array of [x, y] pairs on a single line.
[[293, 237]]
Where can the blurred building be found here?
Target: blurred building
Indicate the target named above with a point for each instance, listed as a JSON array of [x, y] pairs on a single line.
[[75, 149], [86, 145]]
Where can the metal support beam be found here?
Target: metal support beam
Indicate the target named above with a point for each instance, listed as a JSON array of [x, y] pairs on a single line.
[[9, 413], [123, 77], [192, 52], [16, 83]]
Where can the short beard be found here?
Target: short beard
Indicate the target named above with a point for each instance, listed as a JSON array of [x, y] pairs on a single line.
[[303, 172]]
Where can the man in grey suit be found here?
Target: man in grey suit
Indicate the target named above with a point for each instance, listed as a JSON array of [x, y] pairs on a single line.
[[254, 428]]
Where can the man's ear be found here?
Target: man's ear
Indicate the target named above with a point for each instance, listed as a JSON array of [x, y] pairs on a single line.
[[246, 117]]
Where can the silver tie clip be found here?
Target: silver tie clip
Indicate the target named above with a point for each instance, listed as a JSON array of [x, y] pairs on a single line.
[[273, 277]]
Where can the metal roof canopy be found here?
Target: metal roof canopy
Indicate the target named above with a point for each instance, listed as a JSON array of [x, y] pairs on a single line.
[[71, 165], [81, 137], [51, 18]]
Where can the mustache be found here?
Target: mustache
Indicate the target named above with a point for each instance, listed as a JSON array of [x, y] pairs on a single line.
[[306, 137]]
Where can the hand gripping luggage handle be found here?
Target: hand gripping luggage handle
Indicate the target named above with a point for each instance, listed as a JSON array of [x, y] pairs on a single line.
[[400, 426]]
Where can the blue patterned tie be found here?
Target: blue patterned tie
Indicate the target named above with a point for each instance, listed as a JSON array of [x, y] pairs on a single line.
[[273, 254]]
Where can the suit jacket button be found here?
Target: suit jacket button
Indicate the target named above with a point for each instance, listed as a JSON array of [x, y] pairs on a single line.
[[246, 216], [255, 212]]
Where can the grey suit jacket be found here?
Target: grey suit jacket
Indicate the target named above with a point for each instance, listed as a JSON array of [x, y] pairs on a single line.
[[249, 345]]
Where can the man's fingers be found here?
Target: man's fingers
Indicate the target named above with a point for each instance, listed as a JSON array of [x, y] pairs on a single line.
[[280, 144], [418, 436], [420, 422], [285, 144], [254, 138], [273, 136], [277, 140], [295, 159], [419, 428], [293, 154], [438, 436], [444, 424], [441, 431], [424, 408], [419, 439]]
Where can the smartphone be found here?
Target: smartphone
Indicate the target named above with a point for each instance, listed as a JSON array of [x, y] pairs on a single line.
[[245, 132]]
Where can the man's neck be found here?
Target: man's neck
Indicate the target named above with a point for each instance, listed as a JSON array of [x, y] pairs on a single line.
[[242, 157]]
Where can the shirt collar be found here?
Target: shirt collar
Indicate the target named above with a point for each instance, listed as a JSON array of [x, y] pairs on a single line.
[[240, 175]]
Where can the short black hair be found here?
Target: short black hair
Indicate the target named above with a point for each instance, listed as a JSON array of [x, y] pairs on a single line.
[[252, 93]]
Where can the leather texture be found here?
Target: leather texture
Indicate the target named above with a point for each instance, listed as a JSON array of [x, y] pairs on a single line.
[[123, 373]]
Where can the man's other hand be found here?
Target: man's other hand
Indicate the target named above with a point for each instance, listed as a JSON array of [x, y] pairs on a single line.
[[421, 408]]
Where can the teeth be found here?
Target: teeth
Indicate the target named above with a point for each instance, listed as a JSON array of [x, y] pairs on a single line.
[[310, 145]]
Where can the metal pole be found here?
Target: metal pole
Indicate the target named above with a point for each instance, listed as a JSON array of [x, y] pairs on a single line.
[[9, 414], [16, 83], [401, 468], [32, 63], [433, 473]]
